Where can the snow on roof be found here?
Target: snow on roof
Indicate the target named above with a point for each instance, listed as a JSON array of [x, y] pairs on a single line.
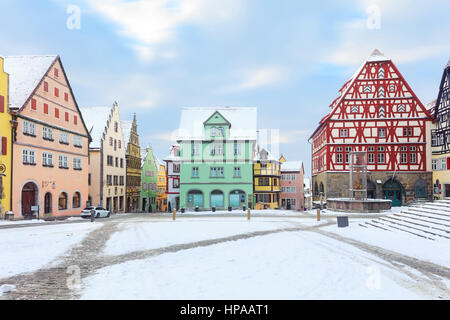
[[126, 129], [159, 162], [96, 119], [171, 156], [448, 64], [243, 122], [430, 105], [376, 55], [291, 166], [25, 73]]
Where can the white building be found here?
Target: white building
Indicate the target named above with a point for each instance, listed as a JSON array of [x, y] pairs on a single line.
[[173, 177]]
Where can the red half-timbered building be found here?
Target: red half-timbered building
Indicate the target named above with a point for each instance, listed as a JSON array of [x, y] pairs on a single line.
[[376, 112]]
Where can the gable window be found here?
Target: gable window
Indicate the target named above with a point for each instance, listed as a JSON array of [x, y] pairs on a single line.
[[56, 72], [33, 104], [343, 133], [66, 96], [75, 120], [45, 86], [56, 92]]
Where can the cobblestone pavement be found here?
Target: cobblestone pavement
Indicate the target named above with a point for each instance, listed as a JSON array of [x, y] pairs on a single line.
[[52, 281]]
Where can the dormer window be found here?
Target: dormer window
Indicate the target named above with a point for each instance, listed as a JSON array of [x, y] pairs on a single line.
[[217, 132]]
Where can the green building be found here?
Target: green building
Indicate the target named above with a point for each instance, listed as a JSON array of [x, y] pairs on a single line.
[[149, 180], [216, 157]]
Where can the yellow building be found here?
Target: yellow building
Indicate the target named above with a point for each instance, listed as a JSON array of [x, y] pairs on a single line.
[[440, 138], [266, 175], [161, 195], [5, 144]]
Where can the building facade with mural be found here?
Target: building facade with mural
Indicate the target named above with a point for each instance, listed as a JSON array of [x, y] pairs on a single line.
[[133, 165], [107, 157], [378, 113], [440, 138], [266, 177], [149, 181], [173, 178], [216, 156], [50, 139], [5, 144]]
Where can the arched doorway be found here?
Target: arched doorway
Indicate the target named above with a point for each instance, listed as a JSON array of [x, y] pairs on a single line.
[[217, 199], [420, 189], [194, 199], [392, 190], [237, 198], [76, 200], [29, 199], [48, 203]]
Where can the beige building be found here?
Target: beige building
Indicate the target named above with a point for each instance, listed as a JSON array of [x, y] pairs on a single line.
[[107, 158]]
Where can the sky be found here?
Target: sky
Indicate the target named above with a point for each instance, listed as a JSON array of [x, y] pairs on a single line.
[[288, 58]]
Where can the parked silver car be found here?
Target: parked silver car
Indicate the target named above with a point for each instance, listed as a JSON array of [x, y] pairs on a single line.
[[100, 212]]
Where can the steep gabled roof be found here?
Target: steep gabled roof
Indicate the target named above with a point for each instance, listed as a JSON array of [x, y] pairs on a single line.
[[291, 166], [97, 119], [25, 74]]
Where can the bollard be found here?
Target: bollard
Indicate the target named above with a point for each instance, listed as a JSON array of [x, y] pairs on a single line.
[[248, 214], [92, 215], [174, 214], [318, 214]]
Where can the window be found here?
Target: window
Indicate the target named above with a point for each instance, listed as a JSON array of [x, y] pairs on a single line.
[[413, 157], [47, 159], [116, 126], [339, 149], [382, 132], [67, 116], [216, 149], [77, 141], [380, 158], [45, 108], [407, 132], [343, 133], [216, 172], [64, 138], [121, 181], [116, 180], [66, 96], [29, 128], [56, 72], [339, 158], [33, 104], [75, 120], [237, 149], [176, 167], [109, 160], [195, 172], [63, 162], [109, 180], [434, 164], [28, 157], [2, 104], [119, 144], [117, 162], [76, 200], [121, 163], [176, 183], [47, 133], [371, 158], [56, 92], [433, 140], [77, 163], [404, 158], [237, 172], [45, 86], [62, 201], [57, 113], [195, 149]]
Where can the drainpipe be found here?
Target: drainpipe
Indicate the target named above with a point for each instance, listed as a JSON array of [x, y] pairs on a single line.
[[14, 125]]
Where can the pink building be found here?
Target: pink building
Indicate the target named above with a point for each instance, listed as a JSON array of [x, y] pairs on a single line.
[[292, 187], [50, 148]]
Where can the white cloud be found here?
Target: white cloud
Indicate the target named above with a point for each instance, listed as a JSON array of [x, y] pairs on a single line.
[[257, 78], [294, 136], [395, 37], [164, 136], [151, 24]]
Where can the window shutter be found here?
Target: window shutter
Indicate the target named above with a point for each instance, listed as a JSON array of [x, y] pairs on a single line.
[[66, 96], [67, 116], [75, 120], [33, 104], [45, 86], [45, 108], [448, 163], [56, 113], [4, 146], [2, 104]]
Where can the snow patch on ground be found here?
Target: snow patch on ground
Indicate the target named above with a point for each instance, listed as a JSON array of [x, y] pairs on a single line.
[[433, 251], [145, 235], [288, 265], [28, 249]]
